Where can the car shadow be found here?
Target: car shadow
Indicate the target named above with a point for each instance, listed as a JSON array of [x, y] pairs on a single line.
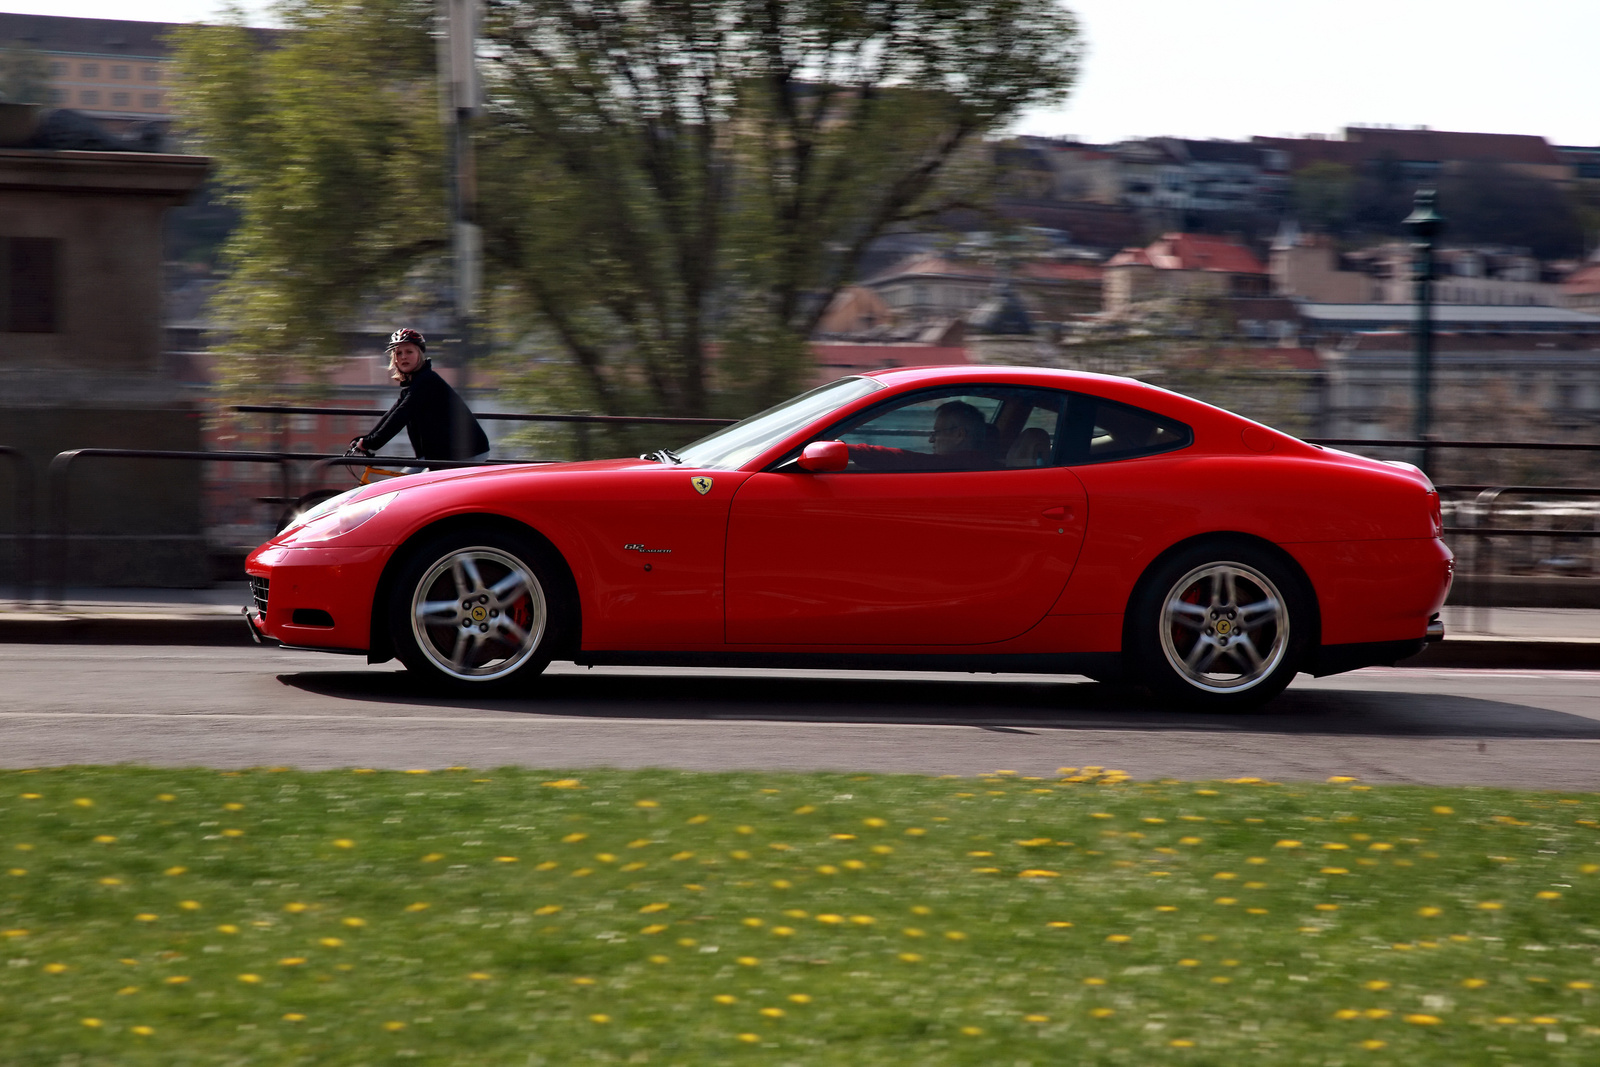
[[1000, 704]]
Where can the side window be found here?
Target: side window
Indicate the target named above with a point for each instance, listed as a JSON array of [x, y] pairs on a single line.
[[1104, 430], [961, 428]]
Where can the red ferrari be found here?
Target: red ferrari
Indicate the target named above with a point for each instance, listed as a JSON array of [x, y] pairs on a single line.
[[945, 518]]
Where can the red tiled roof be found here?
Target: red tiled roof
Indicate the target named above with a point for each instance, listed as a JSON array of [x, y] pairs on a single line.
[[1192, 251], [833, 360], [1583, 280], [932, 264]]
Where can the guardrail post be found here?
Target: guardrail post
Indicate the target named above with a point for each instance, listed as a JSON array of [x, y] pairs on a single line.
[[23, 554]]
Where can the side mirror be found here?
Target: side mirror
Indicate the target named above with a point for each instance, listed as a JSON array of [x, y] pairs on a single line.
[[820, 456]]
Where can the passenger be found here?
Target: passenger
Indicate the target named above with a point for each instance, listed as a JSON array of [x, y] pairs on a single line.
[[1030, 449], [957, 438]]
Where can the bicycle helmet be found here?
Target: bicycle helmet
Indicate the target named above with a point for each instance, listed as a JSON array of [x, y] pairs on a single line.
[[406, 336]]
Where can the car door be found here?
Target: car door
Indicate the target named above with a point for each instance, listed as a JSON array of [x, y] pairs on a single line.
[[912, 551]]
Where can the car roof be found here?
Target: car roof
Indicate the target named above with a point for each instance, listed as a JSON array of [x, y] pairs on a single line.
[[1110, 386]]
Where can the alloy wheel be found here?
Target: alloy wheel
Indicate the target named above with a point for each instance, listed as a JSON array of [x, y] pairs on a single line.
[[478, 614], [1224, 627]]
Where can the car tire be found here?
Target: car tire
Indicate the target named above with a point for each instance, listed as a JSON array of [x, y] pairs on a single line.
[[1221, 625], [478, 610]]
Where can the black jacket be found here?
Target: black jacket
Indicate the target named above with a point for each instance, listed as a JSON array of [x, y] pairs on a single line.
[[431, 412]]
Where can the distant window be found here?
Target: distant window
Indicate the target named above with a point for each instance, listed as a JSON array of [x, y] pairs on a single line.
[[151, 99], [89, 70], [151, 74], [57, 69], [89, 96], [120, 72], [28, 269], [58, 96], [120, 99]]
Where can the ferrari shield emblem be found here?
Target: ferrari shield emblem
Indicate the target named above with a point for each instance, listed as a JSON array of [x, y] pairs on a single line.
[[701, 483]]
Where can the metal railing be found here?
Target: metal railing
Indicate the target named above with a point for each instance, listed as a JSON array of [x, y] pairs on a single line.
[[579, 423]]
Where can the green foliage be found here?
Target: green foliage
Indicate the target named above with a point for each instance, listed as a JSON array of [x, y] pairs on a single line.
[[671, 189], [180, 917], [1322, 194], [328, 142]]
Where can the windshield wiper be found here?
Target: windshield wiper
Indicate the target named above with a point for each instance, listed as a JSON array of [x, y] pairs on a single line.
[[663, 455]]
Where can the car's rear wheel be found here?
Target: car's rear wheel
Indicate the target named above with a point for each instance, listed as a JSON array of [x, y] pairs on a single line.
[[477, 610], [1221, 625]]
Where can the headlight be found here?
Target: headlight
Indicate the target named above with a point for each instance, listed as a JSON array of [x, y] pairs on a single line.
[[333, 519]]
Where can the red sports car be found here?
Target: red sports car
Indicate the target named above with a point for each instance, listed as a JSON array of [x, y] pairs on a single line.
[[945, 518]]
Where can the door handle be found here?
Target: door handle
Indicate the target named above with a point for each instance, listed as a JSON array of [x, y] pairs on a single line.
[[1061, 514]]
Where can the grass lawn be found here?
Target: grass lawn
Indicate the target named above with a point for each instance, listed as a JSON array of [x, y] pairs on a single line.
[[513, 917]]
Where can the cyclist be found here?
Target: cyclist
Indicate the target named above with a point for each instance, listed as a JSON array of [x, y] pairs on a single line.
[[438, 421]]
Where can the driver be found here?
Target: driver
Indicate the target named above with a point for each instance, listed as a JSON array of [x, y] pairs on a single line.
[[958, 436], [430, 412]]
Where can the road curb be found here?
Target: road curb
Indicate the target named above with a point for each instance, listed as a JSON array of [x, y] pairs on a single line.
[[211, 630], [1469, 651]]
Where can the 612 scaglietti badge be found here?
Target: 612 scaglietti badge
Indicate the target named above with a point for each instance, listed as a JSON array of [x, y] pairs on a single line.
[[946, 518]]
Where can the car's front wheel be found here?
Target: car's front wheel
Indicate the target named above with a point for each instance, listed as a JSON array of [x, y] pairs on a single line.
[[476, 610], [1221, 625]]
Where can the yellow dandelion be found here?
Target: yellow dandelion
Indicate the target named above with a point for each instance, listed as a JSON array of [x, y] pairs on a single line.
[[749, 1039], [783, 931], [1326, 907], [91, 1023], [1474, 983], [394, 1026], [354, 923], [883, 850], [862, 920], [1036, 1018], [1335, 870], [478, 976], [1181, 1042], [1058, 924], [804, 809], [1490, 905], [227, 928], [1373, 1044], [292, 961], [695, 820], [646, 804], [659, 958], [972, 1031], [911, 957], [747, 961], [127, 991], [1225, 901], [583, 980], [1287, 843], [800, 998], [1377, 984], [1037, 873], [830, 919], [294, 907], [146, 917], [1094, 981], [773, 1013], [955, 935], [505, 859], [573, 838], [417, 906], [142, 1031], [293, 1017], [177, 979], [547, 909], [782, 883], [1440, 809], [1377, 1013], [233, 833], [1422, 1020], [250, 979], [725, 998], [653, 928], [1117, 939], [84, 802], [1547, 894], [1166, 907], [330, 942], [1102, 1013], [1430, 912], [650, 909], [55, 968]]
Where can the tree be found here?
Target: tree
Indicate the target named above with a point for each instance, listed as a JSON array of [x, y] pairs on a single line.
[[673, 188], [1321, 195], [24, 76]]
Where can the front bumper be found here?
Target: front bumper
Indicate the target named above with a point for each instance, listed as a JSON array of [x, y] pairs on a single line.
[[315, 597]]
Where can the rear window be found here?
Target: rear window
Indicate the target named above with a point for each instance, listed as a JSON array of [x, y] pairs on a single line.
[[1100, 431]]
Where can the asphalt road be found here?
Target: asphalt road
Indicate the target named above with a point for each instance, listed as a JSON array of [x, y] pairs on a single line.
[[224, 707]]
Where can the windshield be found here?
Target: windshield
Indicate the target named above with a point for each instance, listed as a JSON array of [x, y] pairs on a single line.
[[732, 447]]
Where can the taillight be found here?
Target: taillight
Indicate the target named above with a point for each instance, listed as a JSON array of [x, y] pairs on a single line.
[[1435, 514]]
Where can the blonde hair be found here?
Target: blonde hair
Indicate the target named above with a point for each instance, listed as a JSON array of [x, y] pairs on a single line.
[[395, 374]]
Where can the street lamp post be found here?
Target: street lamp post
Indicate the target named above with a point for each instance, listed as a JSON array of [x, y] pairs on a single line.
[[459, 98], [1424, 223]]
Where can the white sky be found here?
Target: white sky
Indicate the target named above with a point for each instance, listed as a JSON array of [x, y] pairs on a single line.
[[1233, 68]]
